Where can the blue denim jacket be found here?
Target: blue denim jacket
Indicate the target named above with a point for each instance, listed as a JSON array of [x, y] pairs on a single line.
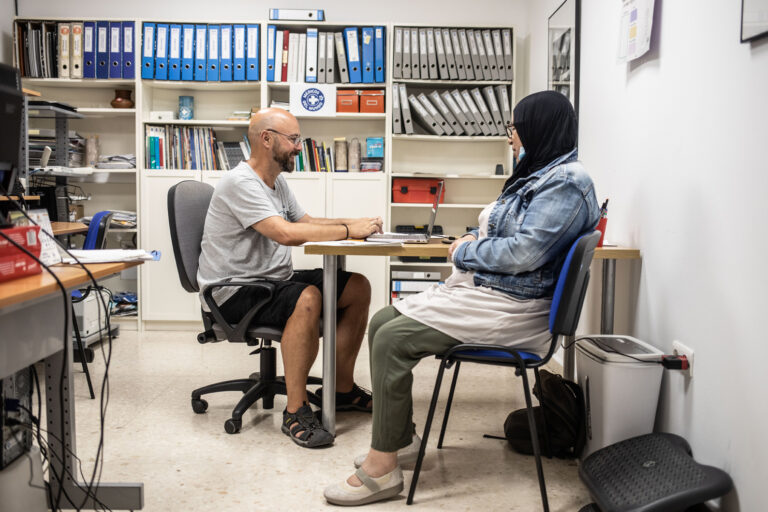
[[530, 229]]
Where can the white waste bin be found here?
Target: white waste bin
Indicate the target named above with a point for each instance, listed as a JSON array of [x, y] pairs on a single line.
[[621, 387]]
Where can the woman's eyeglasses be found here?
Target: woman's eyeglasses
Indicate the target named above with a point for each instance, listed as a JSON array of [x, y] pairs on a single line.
[[510, 130]]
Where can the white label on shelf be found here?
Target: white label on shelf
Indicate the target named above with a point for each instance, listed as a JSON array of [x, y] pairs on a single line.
[[88, 39], [161, 41], [128, 39], [149, 40], [102, 40], [189, 38], [114, 44], [175, 42]]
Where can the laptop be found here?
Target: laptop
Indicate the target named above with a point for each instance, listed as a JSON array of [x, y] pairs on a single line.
[[412, 238]]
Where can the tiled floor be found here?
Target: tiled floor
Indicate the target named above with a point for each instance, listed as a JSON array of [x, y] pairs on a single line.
[[188, 463]]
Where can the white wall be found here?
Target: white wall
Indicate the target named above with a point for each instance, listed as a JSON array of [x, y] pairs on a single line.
[[7, 11], [677, 141]]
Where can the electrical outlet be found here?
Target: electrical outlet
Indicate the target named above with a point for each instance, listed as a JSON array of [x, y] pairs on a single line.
[[682, 350]]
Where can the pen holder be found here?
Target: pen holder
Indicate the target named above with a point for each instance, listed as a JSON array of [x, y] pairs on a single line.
[[601, 228]]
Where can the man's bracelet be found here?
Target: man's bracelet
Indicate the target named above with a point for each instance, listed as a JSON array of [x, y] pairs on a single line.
[[347, 228]]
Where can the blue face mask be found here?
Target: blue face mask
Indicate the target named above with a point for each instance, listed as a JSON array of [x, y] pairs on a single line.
[[520, 154]]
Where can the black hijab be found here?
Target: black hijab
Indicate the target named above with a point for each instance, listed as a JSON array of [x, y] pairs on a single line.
[[546, 124]]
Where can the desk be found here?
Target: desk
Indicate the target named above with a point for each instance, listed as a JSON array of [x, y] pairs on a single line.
[[39, 297], [68, 228], [333, 259]]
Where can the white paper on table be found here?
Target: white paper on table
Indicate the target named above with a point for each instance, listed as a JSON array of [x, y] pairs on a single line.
[[49, 251], [111, 255], [635, 29]]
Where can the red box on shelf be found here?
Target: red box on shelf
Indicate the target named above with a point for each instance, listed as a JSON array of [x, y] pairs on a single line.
[[415, 190], [372, 101], [13, 262], [347, 100]]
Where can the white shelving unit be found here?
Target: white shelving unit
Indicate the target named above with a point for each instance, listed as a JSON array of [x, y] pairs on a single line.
[[466, 164]]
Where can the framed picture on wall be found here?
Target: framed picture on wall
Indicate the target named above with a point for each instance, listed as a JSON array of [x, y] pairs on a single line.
[[754, 19], [561, 66]]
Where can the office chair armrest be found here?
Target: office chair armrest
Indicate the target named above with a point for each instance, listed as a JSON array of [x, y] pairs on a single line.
[[236, 333]]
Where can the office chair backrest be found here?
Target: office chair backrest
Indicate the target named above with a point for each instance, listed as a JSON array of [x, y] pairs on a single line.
[[572, 286], [187, 207], [96, 237]]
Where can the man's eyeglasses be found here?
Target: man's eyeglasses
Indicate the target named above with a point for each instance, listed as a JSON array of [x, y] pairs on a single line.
[[510, 130], [293, 139]]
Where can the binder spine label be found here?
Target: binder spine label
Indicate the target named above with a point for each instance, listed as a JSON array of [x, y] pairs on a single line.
[[200, 46], [188, 46], [128, 39]]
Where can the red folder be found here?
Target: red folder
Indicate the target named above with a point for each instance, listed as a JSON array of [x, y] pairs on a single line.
[[284, 73]]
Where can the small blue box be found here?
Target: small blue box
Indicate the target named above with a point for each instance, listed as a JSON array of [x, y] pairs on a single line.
[[374, 147]]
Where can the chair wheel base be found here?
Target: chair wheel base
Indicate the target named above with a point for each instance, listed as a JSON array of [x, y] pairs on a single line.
[[199, 405], [233, 426]]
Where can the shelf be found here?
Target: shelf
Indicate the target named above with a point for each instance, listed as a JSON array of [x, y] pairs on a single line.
[[77, 82], [287, 85], [469, 206], [450, 176], [106, 111], [483, 83], [113, 231], [452, 138], [171, 173], [96, 170], [198, 86], [51, 112], [199, 122], [346, 116], [395, 263]]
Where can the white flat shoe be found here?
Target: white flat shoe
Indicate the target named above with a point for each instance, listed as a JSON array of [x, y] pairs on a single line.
[[373, 489], [405, 456]]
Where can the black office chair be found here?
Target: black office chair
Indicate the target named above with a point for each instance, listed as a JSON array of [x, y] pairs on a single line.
[[567, 301], [187, 208]]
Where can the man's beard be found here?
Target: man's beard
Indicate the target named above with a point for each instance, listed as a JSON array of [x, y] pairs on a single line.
[[285, 161]]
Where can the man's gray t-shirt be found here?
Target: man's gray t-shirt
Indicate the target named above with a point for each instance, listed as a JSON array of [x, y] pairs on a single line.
[[231, 248]]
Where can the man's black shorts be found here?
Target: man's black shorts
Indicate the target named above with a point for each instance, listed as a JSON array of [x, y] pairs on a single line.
[[286, 294]]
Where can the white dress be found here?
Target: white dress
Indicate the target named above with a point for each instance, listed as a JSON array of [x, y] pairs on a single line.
[[479, 314]]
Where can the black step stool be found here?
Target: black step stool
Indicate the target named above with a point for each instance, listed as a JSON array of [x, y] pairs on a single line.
[[654, 472]]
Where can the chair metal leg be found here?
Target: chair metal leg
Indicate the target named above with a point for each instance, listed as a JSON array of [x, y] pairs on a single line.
[[448, 405], [534, 440], [81, 350], [425, 437], [547, 442]]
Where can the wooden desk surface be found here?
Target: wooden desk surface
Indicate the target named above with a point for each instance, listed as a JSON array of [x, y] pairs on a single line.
[[435, 248], [32, 287], [68, 228]]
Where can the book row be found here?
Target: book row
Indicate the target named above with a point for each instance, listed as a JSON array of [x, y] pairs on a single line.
[[453, 54], [191, 148], [90, 49], [205, 53], [476, 111], [353, 55]]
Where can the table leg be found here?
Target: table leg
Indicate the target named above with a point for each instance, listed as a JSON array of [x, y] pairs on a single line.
[[609, 285], [330, 268], [60, 400]]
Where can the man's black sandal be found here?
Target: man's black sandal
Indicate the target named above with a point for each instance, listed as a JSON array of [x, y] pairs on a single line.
[[305, 429], [358, 399]]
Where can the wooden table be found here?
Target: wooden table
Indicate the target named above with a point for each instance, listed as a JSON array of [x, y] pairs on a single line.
[[333, 259], [34, 315], [68, 228]]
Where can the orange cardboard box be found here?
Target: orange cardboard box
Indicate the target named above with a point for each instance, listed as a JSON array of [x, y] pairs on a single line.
[[347, 100], [372, 101]]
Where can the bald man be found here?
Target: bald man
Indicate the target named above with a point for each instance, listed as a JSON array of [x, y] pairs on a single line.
[[252, 221]]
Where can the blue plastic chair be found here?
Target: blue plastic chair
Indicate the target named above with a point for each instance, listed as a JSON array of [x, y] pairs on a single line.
[[567, 302], [97, 230]]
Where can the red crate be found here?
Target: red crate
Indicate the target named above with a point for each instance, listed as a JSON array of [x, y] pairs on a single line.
[[13, 262], [415, 190], [347, 101]]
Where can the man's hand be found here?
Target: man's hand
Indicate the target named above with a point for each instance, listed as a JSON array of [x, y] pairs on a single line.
[[361, 228], [455, 245]]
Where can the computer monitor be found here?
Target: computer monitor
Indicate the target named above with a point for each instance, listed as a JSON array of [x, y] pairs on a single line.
[[11, 103]]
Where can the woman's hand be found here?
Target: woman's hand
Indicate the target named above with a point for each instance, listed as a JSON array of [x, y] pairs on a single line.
[[455, 245]]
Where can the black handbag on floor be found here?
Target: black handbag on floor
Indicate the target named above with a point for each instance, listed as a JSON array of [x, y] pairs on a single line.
[[563, 405]]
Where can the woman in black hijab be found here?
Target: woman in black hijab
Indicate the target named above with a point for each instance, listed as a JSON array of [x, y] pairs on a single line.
[[500, 290], [543, 123]]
